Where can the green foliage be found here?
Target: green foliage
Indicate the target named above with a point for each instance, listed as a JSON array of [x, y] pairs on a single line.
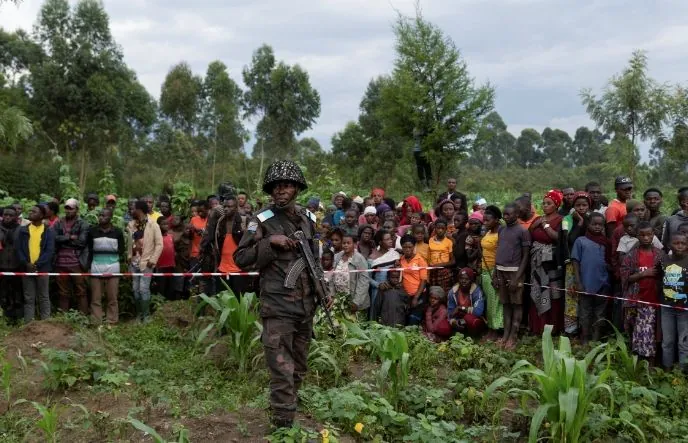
[[297, 434], [391, 347], [182, 194], [323, 363], [565, 389], [62, 369], [182, 437], [239, 320]]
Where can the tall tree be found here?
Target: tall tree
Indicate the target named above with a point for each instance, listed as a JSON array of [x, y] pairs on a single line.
[[632, 105], [180, 98], [85, 95], [528, 150], [220, 117], [588, 147], [283, 98], [432, 93], [557, 146], [670, 151], [493, 144]]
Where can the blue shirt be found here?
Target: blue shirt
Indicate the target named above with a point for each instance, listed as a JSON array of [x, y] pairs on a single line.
[[593, 267]]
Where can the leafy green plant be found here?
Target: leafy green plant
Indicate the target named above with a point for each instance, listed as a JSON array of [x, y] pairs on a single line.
[[391, 347], [50, 417], [62, 369], [627, 364], [298, 434], [239, 320], [182, 194], [565, 389], [182, 435], [322, 361]]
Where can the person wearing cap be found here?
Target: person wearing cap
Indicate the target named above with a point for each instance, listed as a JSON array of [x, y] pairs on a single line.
[[287, 305], [370, 216], [71, 256], [617, 208], [35, 250], [111, 201]]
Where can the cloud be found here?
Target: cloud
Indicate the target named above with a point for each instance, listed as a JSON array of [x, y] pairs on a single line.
[[537, 53]]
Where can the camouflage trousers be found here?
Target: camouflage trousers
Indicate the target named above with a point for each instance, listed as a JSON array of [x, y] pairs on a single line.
[[286, 342]]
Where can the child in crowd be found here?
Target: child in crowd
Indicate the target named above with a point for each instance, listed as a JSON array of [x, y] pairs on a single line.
[[513, 252], [350, 225], [414, 281], [466, 305], [441, 256], [335, 239], [590, 257], [415, 219], [366, 244], [436, 324], [419, 235], [394, 300], [327, 263], [640, 282], [166, 262], [674, 272], [472, 242]]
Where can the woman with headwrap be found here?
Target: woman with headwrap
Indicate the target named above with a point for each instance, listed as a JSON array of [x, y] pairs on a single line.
[[573, 226], [546, 271], [436, 324], [410, 205], [382, 258], [378, 194], [466, 305]]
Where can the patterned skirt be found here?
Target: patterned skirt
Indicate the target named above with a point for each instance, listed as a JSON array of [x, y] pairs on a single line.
[[644, 331], [495, 310], [571, 302], [442, 278]]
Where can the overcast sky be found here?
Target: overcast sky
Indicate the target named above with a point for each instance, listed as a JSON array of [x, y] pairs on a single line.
[[537, 53]]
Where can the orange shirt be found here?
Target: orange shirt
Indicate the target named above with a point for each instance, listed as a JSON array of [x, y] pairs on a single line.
[[440, 251], [227, 259], [526, 224], [197, 223], [411, 279], [615, 212]]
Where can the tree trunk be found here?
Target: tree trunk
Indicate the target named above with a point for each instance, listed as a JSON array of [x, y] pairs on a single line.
[[212, 173], [82, 172]]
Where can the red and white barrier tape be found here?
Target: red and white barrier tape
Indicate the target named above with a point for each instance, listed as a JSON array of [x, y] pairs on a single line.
[[613, 297], [228, 274]]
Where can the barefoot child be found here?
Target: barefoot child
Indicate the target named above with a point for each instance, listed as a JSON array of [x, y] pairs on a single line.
[[513, 253], [590, 257]]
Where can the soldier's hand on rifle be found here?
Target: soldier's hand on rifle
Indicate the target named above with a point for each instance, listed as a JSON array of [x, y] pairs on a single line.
[[282, 241]]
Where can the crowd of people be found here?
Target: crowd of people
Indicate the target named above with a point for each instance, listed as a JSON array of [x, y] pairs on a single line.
[[481, 270], [581, 265]]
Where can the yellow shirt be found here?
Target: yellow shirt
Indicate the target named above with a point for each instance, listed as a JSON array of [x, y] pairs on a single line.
[[35, 234], [155, 215], [489, 245], [423, 251], [440, 250]]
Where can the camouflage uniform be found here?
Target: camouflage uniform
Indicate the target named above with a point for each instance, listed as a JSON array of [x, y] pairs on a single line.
[[286, 313]]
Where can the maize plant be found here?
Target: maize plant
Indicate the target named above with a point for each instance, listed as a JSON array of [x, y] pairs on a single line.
[[238, 319], [391, 347], [565, 389]]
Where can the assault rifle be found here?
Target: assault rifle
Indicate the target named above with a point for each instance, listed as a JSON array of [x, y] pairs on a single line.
[[318, 276]]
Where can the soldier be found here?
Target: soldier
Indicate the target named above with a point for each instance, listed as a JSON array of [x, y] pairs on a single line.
[[286, 309]]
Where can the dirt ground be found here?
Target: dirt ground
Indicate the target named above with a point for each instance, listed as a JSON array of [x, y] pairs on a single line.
[[246, 425]]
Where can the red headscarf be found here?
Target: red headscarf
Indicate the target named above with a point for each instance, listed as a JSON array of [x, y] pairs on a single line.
[[556, 196], [377, 191], [411, 205], [582, 194]]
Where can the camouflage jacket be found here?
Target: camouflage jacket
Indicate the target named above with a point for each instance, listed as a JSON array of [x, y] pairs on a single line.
[[274, 264]]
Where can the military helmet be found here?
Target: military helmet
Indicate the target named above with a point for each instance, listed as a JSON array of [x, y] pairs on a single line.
[[283, 170], [225, 189]]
